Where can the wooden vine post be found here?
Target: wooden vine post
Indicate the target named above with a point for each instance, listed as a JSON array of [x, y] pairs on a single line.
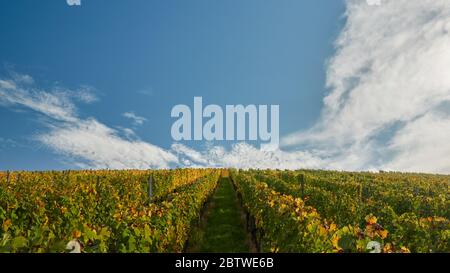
[[97, 185], [302, 185], [150, 188], [359, 197], [360, 191]]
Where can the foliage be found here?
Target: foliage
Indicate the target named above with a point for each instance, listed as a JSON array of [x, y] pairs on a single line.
[[106, 211], [320, 211]]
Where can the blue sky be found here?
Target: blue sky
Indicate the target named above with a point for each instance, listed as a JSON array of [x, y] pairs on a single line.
[[147, 56], [108, 61]]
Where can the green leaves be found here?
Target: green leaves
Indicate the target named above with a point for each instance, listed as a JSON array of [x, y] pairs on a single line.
[[19, 242], [106, 211], [404, 212]]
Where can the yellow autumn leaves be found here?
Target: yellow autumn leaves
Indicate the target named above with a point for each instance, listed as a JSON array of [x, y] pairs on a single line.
[[6, 224], [102, 210], [289, 225], [373, 229]]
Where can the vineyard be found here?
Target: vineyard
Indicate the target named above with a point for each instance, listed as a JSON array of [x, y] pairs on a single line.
[[106, 211], [167, 211], [319, 211]]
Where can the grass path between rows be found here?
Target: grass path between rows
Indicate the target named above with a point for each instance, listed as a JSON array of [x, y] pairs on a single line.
[[222, 227]]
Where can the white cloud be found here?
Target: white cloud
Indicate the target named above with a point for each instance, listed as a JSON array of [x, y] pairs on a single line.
[[373, 2], [85, 94], [188, 156], [146, 92], [137, 120], [22, 78], [423, 145], [8, 143], [90, 143], [101, 147], [127, 132], [243, 155], [7, 85], [389, 73], [52, 104]]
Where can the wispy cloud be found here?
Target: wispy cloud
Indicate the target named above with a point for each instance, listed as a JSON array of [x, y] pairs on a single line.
[[127, 132], [102, 147], [91, 144], [85, 94], [88, 142], [6, 143], [146, 92], [137, 120], [243, 155], [388, 81], [55, 105]]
